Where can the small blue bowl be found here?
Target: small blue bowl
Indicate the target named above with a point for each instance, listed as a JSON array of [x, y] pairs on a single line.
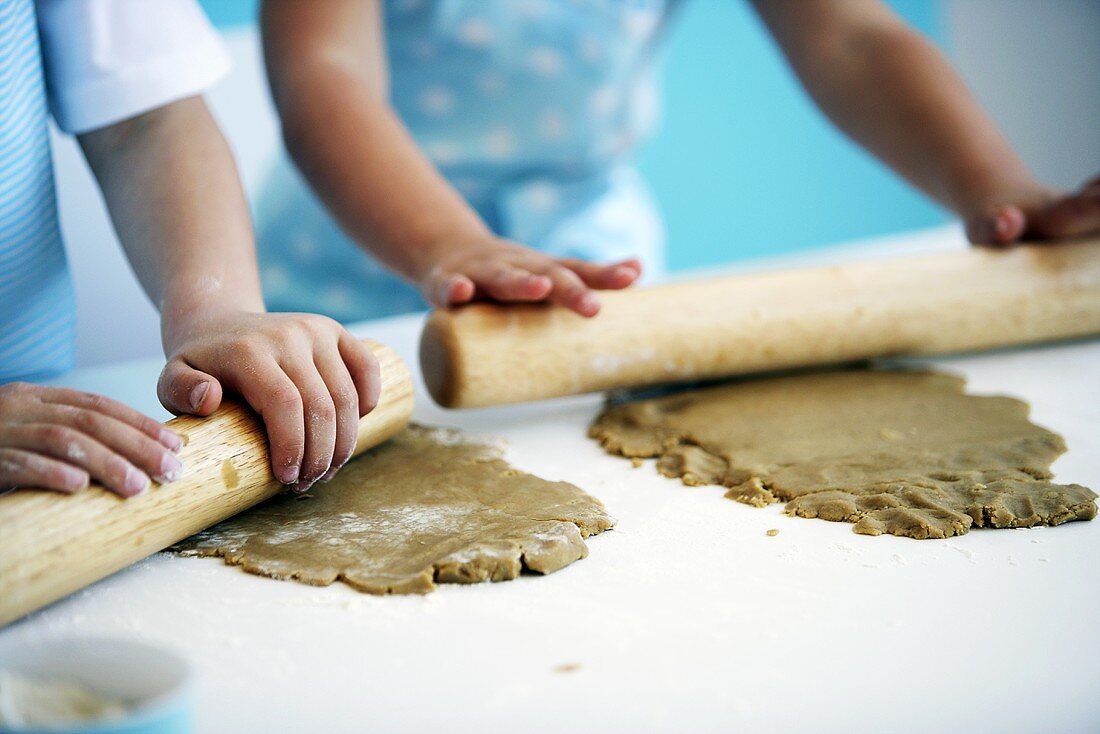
[[154, 683]]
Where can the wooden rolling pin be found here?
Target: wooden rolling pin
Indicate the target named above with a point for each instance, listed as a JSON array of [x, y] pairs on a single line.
[[54, 544], [962, 300]]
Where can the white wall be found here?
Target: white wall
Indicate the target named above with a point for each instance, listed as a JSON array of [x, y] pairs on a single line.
[[1035, 64]]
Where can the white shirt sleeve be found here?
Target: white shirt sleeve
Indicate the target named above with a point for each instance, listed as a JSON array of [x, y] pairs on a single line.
[[109, 60]]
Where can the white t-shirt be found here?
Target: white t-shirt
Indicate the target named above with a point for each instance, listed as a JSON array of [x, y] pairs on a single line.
[[109, 60]]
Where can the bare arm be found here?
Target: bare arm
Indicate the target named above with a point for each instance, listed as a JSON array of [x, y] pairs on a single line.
[[327, 69], [893, 92], [172, 188]]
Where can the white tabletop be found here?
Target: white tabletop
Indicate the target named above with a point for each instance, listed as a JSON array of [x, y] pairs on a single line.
[[685, 617]]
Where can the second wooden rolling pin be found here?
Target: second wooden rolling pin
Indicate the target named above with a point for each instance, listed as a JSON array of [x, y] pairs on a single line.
[[53, 544], [957, 301]]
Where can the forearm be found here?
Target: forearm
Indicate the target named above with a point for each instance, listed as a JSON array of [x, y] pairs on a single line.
[[362, 162], [894, 93], [172, 189]]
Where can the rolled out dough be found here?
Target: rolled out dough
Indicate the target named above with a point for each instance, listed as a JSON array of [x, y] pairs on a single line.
[[425, 507], [906, 453]]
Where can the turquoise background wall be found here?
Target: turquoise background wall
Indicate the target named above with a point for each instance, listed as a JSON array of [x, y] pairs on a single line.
[[744, 164]]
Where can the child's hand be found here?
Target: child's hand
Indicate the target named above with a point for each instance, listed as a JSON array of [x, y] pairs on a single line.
[[53, 438], [493, 268], [1037, 213], [308, 378]]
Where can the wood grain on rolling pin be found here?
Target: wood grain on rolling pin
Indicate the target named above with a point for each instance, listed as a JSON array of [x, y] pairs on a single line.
[[52, 544], [970, 299]]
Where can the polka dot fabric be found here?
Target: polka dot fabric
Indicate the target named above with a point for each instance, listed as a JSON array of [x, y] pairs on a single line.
[[531, 108]]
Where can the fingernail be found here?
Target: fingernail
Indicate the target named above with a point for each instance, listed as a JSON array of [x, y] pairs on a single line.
[[75, 479], [198, 394], [169, 440], [171, 468], [136, 482], [288, 475], [327, 477], [589, 303], [300, 487]]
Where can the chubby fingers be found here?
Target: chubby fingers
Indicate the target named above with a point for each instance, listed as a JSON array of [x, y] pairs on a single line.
[[94, 444], [319, 416], [311, 383], [94, 436], [273, 394], [615, 276], [1068, 216], [570, 290], [363, 368], [496, 279], [20, 468], [92, 403]]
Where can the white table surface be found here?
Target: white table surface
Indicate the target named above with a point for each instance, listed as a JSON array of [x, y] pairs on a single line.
[[685, 617]]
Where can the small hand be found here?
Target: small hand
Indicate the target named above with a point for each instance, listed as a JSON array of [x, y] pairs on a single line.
[[60, 439], [308, 378], [1037, 214], [493, 268]]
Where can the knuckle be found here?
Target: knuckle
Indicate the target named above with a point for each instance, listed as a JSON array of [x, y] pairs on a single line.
[[284, 398], [246, 348], [93, 401], [85, 421], [12, 463], [322, 408], [345, 398], [316, 323], [16, 389], [52, 434], [292, 448]]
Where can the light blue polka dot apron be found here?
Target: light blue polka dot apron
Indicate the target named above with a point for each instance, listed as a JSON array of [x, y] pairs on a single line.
[[532, 109]]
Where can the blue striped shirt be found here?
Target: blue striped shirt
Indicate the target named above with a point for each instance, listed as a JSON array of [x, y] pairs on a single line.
[[37, 311]]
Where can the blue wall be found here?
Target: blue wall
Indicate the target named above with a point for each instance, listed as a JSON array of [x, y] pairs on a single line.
[[744, 164], [225, 13]]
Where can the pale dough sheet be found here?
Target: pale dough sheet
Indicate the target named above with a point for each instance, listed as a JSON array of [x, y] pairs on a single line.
[[906, 453], [425, 507]]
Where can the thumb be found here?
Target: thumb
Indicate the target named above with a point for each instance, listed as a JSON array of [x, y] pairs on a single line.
[[1000, 226], [445, 289], [182, 389]]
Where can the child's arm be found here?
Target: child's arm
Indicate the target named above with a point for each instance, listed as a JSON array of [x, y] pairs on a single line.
[[892, 91], [327, 68], [172, 189]]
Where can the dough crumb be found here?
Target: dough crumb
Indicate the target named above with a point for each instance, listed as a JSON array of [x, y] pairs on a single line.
[[230, 478], [567, 668], [635, 462], [772, 533]]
